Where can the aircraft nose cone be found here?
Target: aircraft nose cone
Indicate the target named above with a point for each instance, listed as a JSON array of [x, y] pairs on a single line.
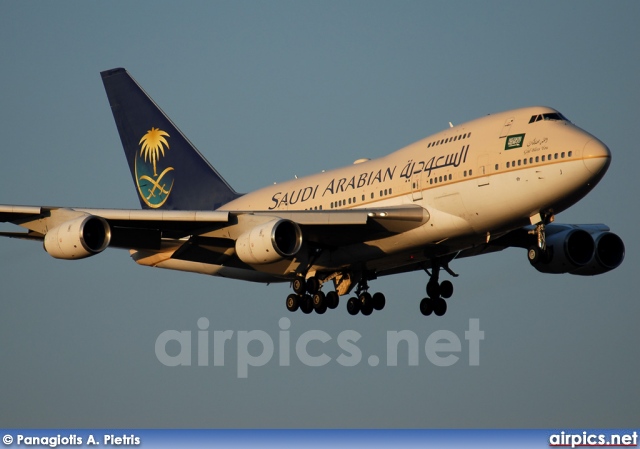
[[596, 156]]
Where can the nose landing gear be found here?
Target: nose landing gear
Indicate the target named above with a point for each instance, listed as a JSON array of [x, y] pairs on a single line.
[[437, 292]]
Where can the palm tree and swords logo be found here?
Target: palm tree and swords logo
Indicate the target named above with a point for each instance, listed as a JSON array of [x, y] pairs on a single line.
[[154, 188]]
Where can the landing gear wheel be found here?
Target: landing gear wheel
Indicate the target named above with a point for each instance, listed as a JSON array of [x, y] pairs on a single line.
[[439, 306], [426, 306], [366, 303], [536, 255], [321, 309], [313, 285], [306, 304], [293, 302], [379, 301], [433, 289], [299, 286], [366, 299], [353, 306], [319, 301], [446, 289], [333, 299], [366, 309]]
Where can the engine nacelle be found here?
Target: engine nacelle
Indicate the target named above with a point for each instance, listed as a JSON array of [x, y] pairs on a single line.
[[269, 242], [567, 251], [79, 238], [608, 255]]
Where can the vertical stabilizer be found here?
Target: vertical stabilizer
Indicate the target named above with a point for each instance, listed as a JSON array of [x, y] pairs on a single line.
[[168, 171]]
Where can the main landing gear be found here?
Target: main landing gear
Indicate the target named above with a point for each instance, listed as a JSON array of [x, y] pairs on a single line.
[[364, 302], [437, 292], [308, 297]]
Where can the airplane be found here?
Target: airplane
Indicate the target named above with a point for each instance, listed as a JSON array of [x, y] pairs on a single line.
[[479, 187]]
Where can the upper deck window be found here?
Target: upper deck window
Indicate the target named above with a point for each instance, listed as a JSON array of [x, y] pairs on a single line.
[[548, 116]]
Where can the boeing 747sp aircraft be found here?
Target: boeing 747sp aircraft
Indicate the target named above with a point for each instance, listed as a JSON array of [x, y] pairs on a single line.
[[482, 186]]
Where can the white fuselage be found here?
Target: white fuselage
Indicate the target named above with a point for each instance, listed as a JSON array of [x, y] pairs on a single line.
[[477, 181]]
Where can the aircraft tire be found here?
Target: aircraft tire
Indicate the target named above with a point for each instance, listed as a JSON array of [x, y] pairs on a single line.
[[319, 300], [367, 309], [333, 299], [299, 286], [379, 301], [313, 285], [353, 306], [426, 306], [433, 289], [306, 304], [439, 307], [293, 302], [365, 299], [446, 289]]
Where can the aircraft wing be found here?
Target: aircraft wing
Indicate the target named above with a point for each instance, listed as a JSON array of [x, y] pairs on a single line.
[[147, 229]]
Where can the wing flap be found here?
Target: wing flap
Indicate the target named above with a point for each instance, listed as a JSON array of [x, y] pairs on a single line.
[[412, 213], [190, 216], [9, 212]]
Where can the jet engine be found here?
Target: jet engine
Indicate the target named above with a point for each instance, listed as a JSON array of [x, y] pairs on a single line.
[[269, 242], [608, 255], [577, 251], [79, 238]]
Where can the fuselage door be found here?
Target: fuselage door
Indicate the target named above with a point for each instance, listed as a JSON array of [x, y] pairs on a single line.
[[483, 170], [506, 128], [416, 187]]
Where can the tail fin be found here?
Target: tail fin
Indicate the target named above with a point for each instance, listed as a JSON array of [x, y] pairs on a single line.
[[167, 170]]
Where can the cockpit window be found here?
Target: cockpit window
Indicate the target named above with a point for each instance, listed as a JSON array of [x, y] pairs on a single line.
[[548, 116]]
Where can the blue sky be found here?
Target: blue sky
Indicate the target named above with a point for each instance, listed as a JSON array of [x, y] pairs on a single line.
[[269, 90]]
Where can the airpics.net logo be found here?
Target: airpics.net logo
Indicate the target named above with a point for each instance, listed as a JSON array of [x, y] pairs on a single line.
[[257, 348]]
